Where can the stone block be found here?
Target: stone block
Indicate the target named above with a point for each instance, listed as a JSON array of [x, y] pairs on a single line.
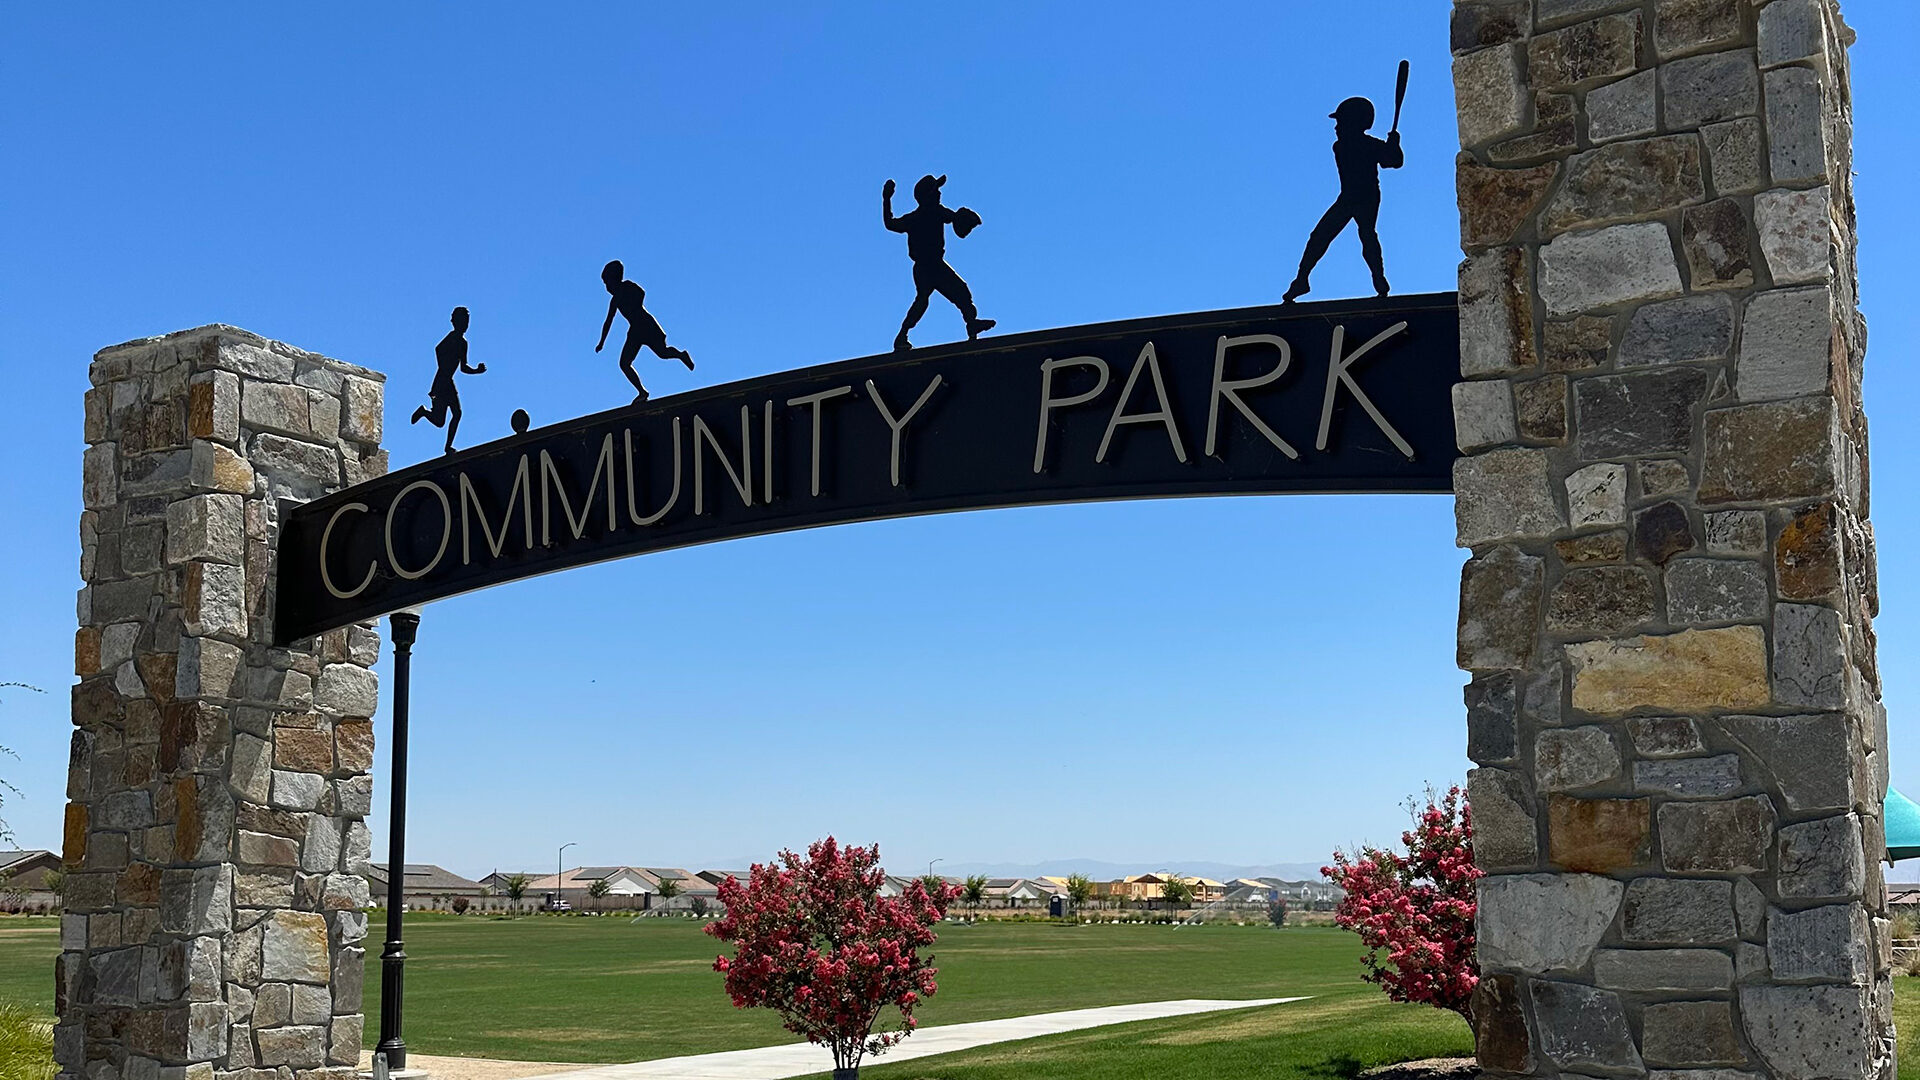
[[1490, 102], [1496, 313], [1598, 836], [345, 892], [1567, 759], [1791, 30], [1622, 110], [1808, 759], [1796, 151], [1602, 547], [1504, 833], [1822, 860], [1598, 601], [1808, 561], [302, 1046], [1810, 1032], [1626, 181], [343, 1041], [1701, 90], [1619, 264], [1823, 944], [214, 468], [1809, 657], [357, 848], [362, 417], [263, 849], [275, 407], [1750, 905], [320, 849], [1690, 1033], [1496, 203], [297, 790], [363, 645], [213, 407], [1795, 235], [1577, 344], [1689, 671], [1493, 730], [207, 528], [294, 947], [1663, 970], [1770, 452], [252, 769], [1786, 337], [198, 901], [263, 888], [1715, 591], [1646, 412], [1664, 736], [100, 476], [1504, 495], [1544, 922], [1688, 26], [1540, 407], [1733, 156], [1499, 610], [354, 796], [349, 966], [1678, 911], [1597, 495], [1730, 837], [353, 745], [308, 750], [1689, 778], [311, 1004], [1688, 329], [347, 690], [213, 599], [1717, 239], [1583, 1028], [1663, 476], [1500, 1027], [1483, 415], [1603, 48]]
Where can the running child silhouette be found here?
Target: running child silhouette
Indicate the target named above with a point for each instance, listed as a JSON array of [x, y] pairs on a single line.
[[450, 356], [1359, 157], [926, 229], [642, 328]]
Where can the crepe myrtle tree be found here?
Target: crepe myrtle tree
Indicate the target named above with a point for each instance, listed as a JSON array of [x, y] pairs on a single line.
[[1414, 912], [816, 942], [1079, 889]]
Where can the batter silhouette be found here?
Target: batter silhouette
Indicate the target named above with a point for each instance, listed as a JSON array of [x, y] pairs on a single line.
[[926, 229], [630, 300], [450, 356], [1359, 157]]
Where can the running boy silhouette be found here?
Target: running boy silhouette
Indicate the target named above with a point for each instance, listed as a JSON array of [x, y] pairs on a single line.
[[642, 328], [926, 229], [451, 356], [1359, 157]]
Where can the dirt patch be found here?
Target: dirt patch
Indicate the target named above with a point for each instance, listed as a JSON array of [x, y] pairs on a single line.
[[461, 1068], [1427, 1069]]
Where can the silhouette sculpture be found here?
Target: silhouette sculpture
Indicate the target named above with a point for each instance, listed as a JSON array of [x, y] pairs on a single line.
[[520, 421], [1359, 157], [926, 229], [642, 328], [450, 356]]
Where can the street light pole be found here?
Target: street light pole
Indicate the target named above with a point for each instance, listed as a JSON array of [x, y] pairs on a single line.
[[558, 856], [930, 863], [405, 626]]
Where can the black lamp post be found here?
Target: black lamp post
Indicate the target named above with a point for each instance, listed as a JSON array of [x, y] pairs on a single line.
[[393, 958]]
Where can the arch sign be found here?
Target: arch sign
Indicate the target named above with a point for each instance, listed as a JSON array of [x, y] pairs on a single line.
[[1348, 396]]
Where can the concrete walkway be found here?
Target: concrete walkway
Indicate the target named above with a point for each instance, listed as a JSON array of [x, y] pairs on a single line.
[[804, 1059]]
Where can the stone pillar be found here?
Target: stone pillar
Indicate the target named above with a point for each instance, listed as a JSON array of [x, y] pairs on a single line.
[[1668, 610], [217, 786]]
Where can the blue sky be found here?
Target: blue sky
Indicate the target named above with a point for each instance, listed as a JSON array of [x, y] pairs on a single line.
[[1252, 680]]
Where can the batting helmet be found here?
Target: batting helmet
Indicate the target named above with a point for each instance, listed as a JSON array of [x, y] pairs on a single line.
[[1355, 110]]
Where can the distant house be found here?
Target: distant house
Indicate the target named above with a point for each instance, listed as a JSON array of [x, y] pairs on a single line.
[[1318, 894], [688, 884], [426, 885], [715, 877], [28, 870], [575, 886]]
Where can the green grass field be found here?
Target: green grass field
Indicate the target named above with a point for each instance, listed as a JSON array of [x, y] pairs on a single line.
[[612, 989]]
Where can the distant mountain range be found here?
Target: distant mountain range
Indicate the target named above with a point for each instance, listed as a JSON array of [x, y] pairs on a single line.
[[1108, 871]]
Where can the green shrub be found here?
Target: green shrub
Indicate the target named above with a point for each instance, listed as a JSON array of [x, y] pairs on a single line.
[[26, 1044]]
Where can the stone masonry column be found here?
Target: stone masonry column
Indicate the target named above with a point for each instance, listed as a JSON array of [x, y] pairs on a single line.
[[217, 786], [1668, 610]]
